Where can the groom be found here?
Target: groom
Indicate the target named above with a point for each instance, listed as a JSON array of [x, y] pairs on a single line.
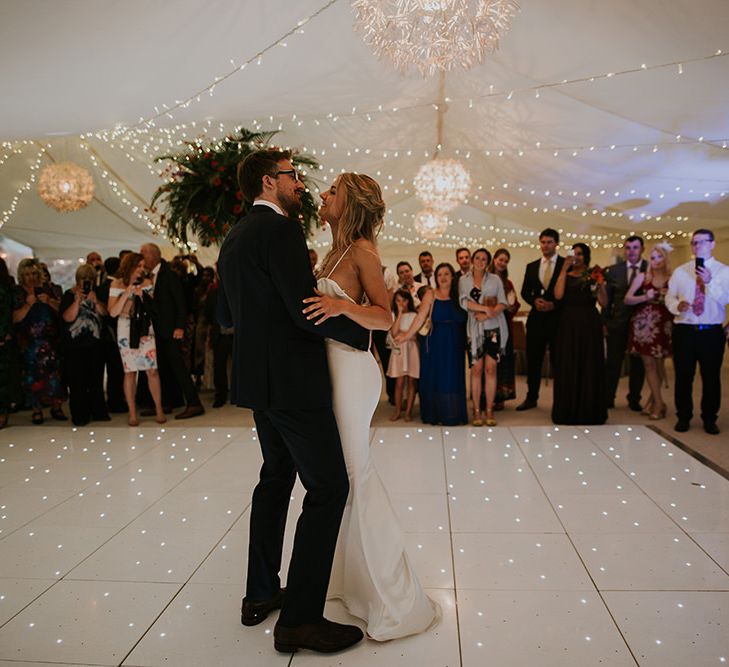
[[280, 371]]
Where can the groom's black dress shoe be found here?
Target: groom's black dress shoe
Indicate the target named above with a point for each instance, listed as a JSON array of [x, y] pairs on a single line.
[[528, 404], [324, 637], [253, 613]]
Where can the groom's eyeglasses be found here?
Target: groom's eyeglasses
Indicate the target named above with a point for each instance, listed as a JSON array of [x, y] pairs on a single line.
[[290, 172]]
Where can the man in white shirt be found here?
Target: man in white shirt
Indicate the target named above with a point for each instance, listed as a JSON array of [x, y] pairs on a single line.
[[540, 277], [698, 293], [463, 259]]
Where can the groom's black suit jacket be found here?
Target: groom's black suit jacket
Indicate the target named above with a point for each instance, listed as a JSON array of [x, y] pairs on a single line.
[[279, 358]]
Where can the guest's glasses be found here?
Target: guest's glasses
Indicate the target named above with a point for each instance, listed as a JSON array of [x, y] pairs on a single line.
[[700, 241], [290, 172]]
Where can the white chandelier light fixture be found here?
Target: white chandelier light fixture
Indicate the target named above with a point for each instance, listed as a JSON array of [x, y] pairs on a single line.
[[66, 186], [442, 184], [430, 224], [433, 35]]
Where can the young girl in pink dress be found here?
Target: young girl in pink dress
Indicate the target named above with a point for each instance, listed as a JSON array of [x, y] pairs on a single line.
[[405, 358]]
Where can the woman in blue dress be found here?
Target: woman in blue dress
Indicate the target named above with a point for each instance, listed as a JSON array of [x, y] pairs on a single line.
[[442, 384]]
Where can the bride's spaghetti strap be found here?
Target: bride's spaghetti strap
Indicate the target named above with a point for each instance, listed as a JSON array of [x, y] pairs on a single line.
[[334, 268]]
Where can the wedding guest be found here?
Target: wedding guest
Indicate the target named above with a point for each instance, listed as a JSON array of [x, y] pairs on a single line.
[[6, 341], [482, 294], [221, 342], [579, 371], [426, 275], [169, 325], [442, 362], [651, 324], [94, 259], [505, 372], [463, 259], [202, 325], [115, 401], [616, 318], [404, 363], [379, 338], [406, 280], [82, 313], [698, 293], [540, 277], [137, 347], [54, 291], [35, 317]]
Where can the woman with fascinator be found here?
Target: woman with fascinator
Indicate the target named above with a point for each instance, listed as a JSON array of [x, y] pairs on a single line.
[[652, 324]]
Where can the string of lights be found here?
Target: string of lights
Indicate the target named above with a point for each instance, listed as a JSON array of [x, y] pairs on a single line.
[[34, 167], [166, 110]]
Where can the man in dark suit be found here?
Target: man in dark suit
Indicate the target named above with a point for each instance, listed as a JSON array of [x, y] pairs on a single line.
[[280, 371], [168, 319], [616, 317], [426, 275], [537, 290]]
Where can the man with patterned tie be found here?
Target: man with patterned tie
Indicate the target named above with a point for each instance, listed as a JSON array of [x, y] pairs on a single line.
[[616, 318], [698, 294], [537, 290]]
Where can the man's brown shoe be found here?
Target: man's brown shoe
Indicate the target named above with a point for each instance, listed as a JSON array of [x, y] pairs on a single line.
[[324, 637], [191, 411], [253, 613]]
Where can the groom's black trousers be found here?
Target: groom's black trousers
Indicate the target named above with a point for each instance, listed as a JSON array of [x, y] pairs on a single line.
[[304, 442]]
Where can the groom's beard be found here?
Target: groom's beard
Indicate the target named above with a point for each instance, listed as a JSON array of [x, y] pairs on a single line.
[[291, 204]]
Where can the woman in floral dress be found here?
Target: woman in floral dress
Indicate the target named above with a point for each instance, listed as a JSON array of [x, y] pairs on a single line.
[[37, 330], [651, 325]]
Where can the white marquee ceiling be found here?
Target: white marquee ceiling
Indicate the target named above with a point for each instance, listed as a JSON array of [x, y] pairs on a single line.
[[74, 67]]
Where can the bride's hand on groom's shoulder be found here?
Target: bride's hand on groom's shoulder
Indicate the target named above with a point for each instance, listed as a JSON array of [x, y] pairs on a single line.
[[321, 307]]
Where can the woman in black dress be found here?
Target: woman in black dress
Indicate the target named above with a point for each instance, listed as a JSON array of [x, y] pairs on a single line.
[[579, 368]]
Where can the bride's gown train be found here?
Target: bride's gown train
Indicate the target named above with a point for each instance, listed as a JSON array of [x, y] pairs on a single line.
[[372, 574]]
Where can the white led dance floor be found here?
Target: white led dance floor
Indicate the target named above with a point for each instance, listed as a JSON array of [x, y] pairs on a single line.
[[543, 546]]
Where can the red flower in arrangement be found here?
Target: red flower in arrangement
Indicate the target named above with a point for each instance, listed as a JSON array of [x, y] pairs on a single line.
[[214, 163], [217, 181], [237, 209], [239, 195], [204, 218]]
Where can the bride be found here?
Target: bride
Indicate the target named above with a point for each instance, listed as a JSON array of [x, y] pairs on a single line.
[[372, 574]]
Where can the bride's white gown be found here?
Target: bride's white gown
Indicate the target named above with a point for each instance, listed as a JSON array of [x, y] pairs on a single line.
[[372, 574]]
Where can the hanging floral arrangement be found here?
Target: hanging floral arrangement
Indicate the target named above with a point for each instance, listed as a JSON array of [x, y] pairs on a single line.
[[201, 196]]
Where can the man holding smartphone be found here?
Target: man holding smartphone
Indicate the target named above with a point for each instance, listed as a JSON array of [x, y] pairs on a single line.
[[698, 293]]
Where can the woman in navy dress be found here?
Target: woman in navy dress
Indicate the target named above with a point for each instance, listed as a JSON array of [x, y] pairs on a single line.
[[442, 384]]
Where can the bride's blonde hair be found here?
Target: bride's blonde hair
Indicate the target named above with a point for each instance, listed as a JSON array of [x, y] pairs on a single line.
[[364, 211]]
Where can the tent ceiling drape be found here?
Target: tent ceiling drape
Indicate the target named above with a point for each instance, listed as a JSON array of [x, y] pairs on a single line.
[[80, 66]]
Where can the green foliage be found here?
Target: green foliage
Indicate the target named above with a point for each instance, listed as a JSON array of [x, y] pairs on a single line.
[[201, 195]]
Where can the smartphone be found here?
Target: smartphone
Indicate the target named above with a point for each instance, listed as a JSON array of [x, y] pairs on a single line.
[[86, 286], [37, 291], [699, 262]]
